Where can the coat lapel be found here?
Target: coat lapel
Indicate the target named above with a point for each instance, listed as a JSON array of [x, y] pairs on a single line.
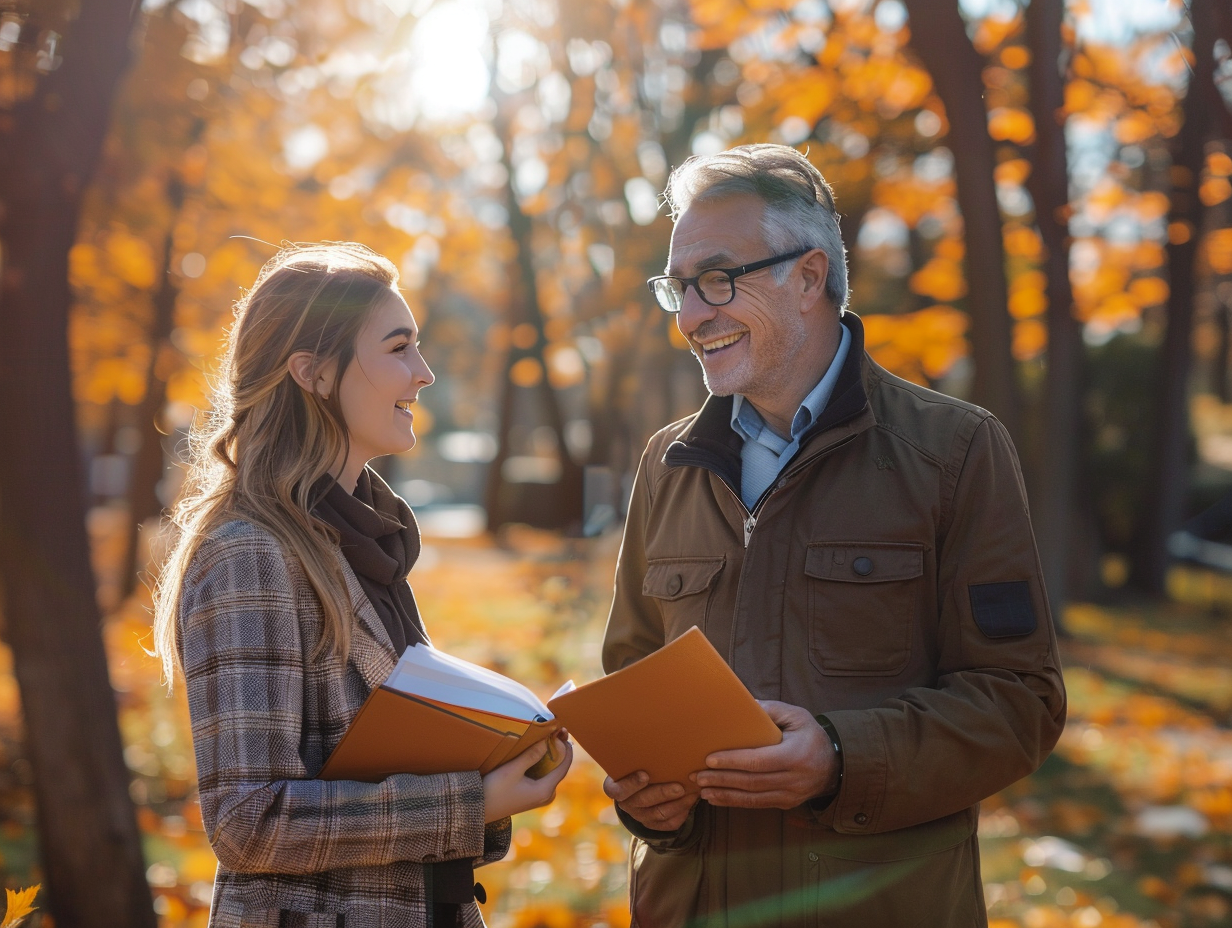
[[372, 652]]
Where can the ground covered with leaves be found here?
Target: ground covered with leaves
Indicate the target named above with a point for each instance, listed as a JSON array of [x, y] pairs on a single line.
[[1128, 824]]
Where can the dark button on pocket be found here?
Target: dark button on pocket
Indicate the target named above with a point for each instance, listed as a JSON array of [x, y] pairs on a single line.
[[674, 585], [863, 566], [861, 818], [812, 855]]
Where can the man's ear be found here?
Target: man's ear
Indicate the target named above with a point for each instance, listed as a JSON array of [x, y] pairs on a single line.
[[814, 267], [314, 378]]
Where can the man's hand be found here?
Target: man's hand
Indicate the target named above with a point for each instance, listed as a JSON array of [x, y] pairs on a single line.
[[657, 806], [781, 776]]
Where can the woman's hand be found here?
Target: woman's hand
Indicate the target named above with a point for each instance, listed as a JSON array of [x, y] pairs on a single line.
[[507, 790]]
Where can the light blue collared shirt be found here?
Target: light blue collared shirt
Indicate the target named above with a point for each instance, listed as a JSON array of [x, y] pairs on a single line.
[[764, 453]]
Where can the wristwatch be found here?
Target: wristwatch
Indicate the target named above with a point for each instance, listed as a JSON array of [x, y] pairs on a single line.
[[817, 803]]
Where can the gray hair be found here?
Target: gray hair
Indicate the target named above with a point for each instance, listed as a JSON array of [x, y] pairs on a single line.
[[799, 211]]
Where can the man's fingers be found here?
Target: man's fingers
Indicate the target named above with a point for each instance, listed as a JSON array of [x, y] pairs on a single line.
[[758, 760], [784, 714], [664, 816], [750, 800], [622, 789], [750, 781], [654, 795], [671, 814]]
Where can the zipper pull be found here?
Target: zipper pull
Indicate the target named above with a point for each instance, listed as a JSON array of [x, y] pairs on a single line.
[[749, 524]]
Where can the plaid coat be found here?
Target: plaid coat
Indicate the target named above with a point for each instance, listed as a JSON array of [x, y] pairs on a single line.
[[293, 851]]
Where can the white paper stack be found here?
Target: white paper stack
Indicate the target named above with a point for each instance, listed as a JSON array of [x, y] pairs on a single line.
[[424, 671]]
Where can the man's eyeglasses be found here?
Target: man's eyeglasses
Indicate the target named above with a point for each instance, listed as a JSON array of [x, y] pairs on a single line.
[[716, 286]]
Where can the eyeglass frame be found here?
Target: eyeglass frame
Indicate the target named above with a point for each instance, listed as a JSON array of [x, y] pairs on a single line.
[[732, 274]]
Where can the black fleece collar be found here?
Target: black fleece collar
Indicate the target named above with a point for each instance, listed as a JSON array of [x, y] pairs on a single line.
[[710, 442]]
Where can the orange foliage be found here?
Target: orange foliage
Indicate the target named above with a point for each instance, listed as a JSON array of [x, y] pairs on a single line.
[[1219, 251], [1135, 126], [1219, 164], [1016, 57], [1149, 291], [1030, 339], [1022, 242], [1027, 295], [941, 278], [920, 345], [910, 199], [1010, 124], [992, 31], [1214, 190], [526, 372], [1014, 171]]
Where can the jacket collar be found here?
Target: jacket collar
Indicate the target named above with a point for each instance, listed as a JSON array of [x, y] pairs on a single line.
[[371, 652], [710, 442]]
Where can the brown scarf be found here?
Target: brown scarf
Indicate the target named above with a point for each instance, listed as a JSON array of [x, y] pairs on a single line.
[[380, 540]]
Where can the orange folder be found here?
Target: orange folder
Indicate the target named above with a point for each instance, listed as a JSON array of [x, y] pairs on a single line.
[[395, 732], [665, 713]]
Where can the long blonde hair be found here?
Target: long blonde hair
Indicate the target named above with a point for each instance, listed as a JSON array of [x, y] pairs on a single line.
[[266, 441]]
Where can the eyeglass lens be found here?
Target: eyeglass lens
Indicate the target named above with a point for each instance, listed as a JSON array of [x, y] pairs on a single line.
[[715, 287]]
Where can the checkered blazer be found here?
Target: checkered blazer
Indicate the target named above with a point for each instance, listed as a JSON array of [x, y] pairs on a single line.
[[293, 850]]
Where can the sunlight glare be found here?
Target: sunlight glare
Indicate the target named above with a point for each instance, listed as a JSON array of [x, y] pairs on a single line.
[[449, 76]]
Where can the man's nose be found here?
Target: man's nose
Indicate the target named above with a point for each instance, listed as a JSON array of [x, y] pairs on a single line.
[[693, 311]]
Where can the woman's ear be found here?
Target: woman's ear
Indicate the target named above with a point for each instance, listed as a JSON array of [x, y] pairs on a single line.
[[314, 378]]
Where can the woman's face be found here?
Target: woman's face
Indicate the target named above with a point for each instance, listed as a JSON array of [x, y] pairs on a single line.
[[381, 385]]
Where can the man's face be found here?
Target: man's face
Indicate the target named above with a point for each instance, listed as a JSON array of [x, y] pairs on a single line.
[[752, 345]]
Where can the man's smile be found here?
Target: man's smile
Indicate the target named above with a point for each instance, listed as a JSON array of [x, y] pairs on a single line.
[[721, 342]]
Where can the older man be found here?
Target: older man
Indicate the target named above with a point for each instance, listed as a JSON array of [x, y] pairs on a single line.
[[859, 550]]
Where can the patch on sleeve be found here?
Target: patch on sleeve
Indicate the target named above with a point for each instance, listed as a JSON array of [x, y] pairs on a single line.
[[1003, 610]]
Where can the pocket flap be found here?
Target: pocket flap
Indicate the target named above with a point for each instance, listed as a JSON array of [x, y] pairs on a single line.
[[904, 844], [864, 562], [673, 578]]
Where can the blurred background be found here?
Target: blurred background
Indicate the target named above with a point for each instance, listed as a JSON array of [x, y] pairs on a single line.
[[1036, 200]]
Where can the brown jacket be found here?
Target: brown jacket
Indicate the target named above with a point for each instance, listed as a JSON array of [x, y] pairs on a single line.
[[888, 580]]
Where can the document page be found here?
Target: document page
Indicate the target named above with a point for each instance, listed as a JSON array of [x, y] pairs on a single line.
[[425, 671]]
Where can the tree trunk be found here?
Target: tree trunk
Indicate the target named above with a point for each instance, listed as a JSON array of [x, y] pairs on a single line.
[[1057, 467], [50, 144], [565, 507], [1168, 477], [939, 37], [149, 461], [1219, 372]]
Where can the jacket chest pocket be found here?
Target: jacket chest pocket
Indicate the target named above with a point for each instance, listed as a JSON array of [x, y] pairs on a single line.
[[683, 588], [862, 600]]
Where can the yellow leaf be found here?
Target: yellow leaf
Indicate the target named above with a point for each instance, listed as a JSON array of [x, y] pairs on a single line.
[[1008, 124], [20, 904]]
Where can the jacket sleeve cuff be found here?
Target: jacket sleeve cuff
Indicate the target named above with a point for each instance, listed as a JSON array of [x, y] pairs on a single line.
[[855, 809], [497, 836], [821, 803], [659, 840]]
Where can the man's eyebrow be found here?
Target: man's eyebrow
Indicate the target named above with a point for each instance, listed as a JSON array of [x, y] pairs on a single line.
[[402, 332], [721, 259]]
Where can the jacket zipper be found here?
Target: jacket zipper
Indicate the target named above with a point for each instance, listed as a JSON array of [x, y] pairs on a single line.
[[750, 521]]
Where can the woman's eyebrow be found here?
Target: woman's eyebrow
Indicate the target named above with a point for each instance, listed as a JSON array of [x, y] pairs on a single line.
[[400, 333]]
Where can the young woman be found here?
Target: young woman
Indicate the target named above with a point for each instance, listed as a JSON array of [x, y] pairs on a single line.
[[285, 602]]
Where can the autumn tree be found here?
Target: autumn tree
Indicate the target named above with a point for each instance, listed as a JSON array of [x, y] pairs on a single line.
[[1057, 466], [51, 133], [1167, 486], [939, 37]]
